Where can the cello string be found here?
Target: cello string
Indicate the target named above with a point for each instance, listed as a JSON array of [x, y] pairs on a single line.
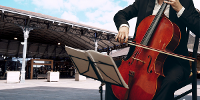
[[136, 54], [138, 49], [145, 37]]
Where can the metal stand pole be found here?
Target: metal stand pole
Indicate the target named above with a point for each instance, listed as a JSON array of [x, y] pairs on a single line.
[[101, 91]]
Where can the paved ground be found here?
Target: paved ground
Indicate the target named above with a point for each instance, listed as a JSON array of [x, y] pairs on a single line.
[[65, 89]]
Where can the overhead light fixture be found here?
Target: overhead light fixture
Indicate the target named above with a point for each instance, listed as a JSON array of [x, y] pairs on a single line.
[[58, 43], [15, 38]]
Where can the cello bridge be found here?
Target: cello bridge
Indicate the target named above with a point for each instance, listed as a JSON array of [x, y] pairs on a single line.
[[138, 60]]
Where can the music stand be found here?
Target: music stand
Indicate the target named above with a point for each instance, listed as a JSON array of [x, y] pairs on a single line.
[[96, 66]]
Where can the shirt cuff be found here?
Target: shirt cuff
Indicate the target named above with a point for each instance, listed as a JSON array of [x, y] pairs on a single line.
[[180, 12], [122, 25]]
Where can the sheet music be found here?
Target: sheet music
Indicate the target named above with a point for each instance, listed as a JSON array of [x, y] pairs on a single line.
[[83, 63], [104, 65], [107, 68]]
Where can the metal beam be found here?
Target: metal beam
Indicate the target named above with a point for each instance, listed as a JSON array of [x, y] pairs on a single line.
[[54, 50], [2, 27], [68, 28], [112, 43], [86, 41], [61, 50], [69, 42], [46, 50], [2, 16], [93, 40], [83, 31], [28, 48], [38, 49], [7, 48], [17, 55], [76, 40], [27, 21], [49, 25], [105, 43]]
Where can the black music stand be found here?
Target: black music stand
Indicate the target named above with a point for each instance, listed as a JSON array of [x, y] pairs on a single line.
[[96, 66]]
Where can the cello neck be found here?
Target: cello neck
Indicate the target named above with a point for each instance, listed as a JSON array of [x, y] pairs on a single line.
[[153, 25]]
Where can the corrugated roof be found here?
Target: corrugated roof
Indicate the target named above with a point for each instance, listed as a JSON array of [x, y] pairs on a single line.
[[47, 32]]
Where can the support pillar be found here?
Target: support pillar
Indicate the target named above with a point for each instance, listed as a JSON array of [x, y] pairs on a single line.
[[96, 41], [26, 35], [96, 45]]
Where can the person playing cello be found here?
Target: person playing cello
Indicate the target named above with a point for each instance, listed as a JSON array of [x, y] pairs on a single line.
[[180, 12]]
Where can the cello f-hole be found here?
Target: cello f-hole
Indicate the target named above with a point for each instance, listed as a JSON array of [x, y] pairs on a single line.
[[149, 65]]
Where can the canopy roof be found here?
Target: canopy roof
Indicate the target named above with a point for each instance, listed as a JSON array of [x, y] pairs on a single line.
[[49, 35]]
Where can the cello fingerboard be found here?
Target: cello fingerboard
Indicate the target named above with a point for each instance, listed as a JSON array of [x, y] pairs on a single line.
[[153, 25]]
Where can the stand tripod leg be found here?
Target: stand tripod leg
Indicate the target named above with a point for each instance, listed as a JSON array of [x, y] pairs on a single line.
[[101, 91]]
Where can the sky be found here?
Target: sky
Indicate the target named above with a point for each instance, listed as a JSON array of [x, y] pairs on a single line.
[[97, 13]]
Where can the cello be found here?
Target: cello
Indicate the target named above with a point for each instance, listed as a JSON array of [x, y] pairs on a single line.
[[144, 69]]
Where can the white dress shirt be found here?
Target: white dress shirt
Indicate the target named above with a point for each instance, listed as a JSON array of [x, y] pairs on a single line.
[[156, 9]]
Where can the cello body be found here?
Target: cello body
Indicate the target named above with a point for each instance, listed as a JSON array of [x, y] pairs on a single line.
[[147, 64]]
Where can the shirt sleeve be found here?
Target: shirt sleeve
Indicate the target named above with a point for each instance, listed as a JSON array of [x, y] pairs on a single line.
[[180, 12], [122, 25]]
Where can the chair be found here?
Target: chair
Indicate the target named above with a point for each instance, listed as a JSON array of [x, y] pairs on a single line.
[[193, 77]]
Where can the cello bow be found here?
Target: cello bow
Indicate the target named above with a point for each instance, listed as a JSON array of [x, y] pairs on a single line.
[[162, 51]]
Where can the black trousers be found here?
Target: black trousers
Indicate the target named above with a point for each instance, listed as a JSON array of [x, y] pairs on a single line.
[[174, 73]]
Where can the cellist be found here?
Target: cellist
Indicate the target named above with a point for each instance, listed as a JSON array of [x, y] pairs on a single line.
[[183, 14]]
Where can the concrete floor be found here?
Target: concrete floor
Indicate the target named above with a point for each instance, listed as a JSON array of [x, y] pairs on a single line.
[[64, 89]]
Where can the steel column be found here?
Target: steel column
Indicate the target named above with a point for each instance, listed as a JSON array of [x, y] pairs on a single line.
[[96, 45], [26, 35], [96, 41]]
